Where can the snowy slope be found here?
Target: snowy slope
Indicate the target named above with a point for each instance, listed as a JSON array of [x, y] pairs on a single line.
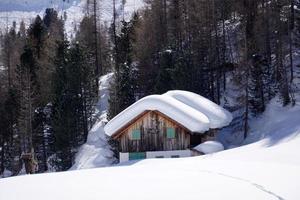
[[96, 151], [267, 169]]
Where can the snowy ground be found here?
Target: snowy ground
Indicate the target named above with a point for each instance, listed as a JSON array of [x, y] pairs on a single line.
[[267, 169]]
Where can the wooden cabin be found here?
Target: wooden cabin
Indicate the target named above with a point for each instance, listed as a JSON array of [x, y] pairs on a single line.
[[153, 131], [156, 132]]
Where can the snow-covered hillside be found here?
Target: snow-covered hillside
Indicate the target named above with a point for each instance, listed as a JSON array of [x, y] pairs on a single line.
[[267, 169], [96, 151], [33, 5], [74, 10]]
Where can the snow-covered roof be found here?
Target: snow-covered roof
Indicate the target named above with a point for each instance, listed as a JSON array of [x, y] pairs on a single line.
[[188, 109], [218, 116]]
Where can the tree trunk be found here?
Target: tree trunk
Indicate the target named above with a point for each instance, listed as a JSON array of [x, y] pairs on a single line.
[[268, 44], [2, 155], [291, 28], [96, 45], [281, 71]]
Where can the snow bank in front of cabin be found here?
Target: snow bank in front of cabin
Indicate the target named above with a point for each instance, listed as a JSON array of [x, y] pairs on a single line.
[[209, 147], [180, 112], [96, 151], [189, 109], [218, 116], [265, 170]]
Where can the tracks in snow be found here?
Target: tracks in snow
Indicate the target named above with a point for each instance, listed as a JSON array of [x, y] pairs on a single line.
[[260, 187]]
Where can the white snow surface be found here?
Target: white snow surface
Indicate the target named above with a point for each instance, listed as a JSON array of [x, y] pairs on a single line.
[[218, 116], [266, 170], [96, 151], [209, 147], [189, 109]]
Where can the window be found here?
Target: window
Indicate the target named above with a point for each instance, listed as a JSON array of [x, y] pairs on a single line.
[[175, 156], [170, 133], [159, 156], [136, 134], [137, 156]]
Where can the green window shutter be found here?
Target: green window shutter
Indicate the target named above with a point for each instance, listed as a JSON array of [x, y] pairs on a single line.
[[136, 134], [170, 133], [137, 155]]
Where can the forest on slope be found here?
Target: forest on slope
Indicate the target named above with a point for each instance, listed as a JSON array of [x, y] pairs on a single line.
[[49, 81]]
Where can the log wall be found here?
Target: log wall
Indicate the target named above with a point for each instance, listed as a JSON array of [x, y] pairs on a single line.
[[153, 127]]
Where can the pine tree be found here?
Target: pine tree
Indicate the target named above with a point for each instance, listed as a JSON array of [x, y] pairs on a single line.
[[37, 34], [27, 103], [281, 74], [61, 109], [73, 102], [164, 81], [43, 140], [11, 109], [257, 85], [122, 92]]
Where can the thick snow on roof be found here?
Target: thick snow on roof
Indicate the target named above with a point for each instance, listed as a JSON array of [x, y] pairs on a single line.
[[180, 112], [192, 115], [218, 116], [209, 147]]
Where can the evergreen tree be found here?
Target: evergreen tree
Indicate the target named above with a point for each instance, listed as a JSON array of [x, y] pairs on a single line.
[[11, 109], [183, 71], [258, 80], [61, 109], [122, 92], [26, 73], [43, 138], [164, 80], [73, 102], [37, 35]]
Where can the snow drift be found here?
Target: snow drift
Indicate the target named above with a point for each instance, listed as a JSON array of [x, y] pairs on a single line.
[[209, 147]]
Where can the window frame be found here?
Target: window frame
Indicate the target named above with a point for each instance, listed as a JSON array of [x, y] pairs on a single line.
[[168, 133], [134, 136]]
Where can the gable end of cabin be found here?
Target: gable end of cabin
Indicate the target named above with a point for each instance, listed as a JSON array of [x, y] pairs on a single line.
[[152, 132]]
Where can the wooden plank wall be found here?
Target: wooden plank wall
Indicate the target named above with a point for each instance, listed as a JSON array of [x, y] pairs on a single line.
[[153, 128]]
